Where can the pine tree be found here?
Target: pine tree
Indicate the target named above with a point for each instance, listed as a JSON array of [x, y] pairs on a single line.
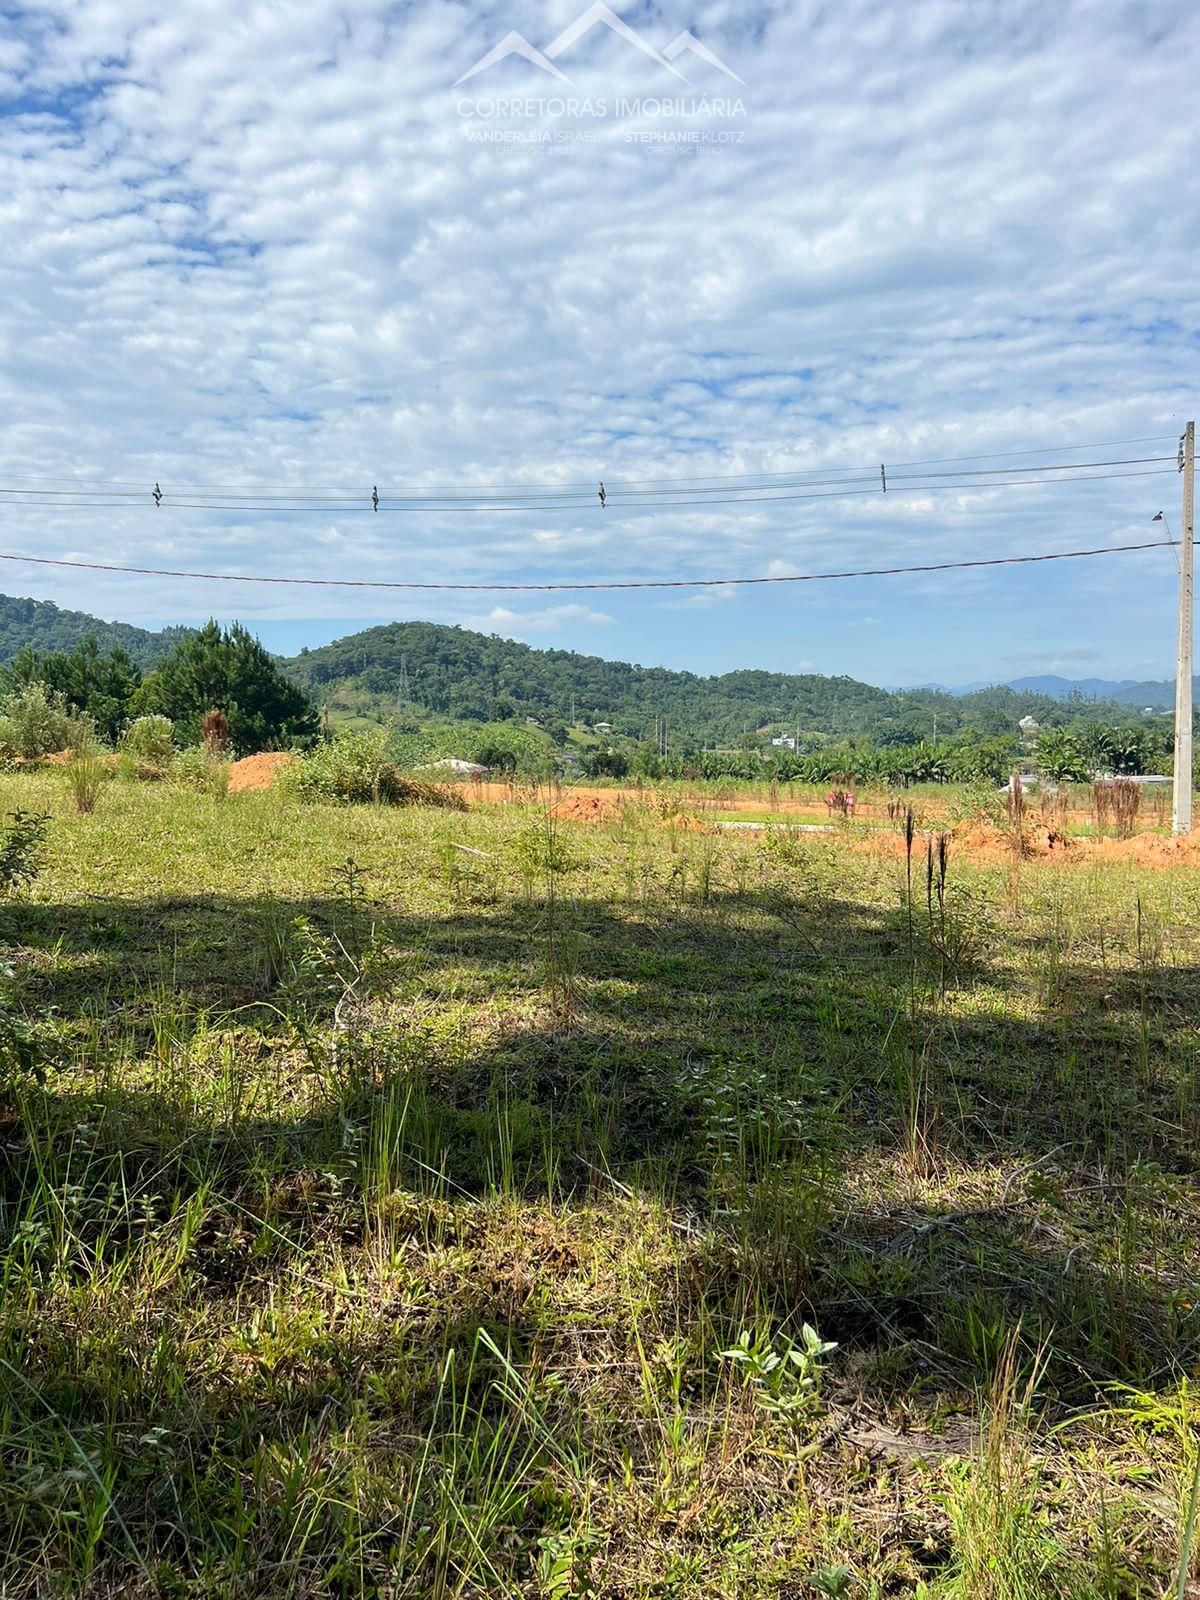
[[228, 670], [100, 685]]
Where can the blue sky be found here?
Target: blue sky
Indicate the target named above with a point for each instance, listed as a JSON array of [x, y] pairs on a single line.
[[274, 244]]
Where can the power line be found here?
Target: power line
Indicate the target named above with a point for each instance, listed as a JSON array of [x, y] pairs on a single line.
[[647, 583], [121, 488], [766, 494]]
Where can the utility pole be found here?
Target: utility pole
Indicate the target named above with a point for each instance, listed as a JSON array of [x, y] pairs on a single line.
[[1181, 811]]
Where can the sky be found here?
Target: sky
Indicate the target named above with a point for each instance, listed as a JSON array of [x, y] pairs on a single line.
[[304, 245]]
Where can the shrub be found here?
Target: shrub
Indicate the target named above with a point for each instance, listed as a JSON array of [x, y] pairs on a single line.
[[150, 742], [354, 769], [22, 848], [36, 721], [195, 769], [606, 764]]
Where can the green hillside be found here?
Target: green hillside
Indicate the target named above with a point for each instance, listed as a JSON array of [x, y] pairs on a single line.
[[455, 673], [44, 627]]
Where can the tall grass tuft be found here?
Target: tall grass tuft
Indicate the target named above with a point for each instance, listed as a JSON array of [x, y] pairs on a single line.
[[86, 773], [1003, 1546]]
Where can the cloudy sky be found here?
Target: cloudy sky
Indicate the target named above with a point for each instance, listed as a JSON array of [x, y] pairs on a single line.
[[282, 245]]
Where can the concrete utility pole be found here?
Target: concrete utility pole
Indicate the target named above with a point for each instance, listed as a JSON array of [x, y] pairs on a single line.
[[1181, 812]]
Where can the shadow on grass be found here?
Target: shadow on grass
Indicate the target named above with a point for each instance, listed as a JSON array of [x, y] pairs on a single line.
[[735, 1061], [550, 1132]]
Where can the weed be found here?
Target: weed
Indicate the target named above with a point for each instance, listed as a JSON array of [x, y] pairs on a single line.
[[1003, 1547], [784, 1375]]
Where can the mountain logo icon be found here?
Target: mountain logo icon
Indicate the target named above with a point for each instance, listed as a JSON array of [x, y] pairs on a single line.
[[596, 15]]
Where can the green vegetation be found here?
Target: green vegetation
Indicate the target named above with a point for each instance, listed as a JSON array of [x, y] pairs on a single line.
[[100, 687], [533, 712], [149, 741], [41, 627], [227, 670], [36, 721], [209, 669], [356, 769], [456, 674], [413, 1203]]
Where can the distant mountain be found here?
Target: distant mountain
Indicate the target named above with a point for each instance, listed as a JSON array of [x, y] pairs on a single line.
[[1121, 691], [458, 674], [45, 627]]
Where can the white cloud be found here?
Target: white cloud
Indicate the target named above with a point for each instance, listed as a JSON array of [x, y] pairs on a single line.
[[255, 246], [553, 619]]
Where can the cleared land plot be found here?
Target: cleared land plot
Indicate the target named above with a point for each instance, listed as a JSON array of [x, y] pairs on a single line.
[[393, 1186]]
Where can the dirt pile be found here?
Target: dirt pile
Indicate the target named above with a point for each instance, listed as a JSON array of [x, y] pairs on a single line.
[[981, 842], [587, 808], [1148, 850], [257, 772]]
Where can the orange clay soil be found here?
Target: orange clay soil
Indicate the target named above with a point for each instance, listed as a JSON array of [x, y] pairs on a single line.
[[991, 846], [492, 792], [257, 772], [587, 808]]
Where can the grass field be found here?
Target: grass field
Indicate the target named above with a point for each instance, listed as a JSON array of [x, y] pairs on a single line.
[[422, 1204]]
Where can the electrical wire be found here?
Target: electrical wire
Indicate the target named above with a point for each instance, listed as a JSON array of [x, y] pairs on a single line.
[[102, 488], [766, 495], [531, 588]]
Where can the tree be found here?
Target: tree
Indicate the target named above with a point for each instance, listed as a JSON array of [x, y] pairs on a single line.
[[1060, 757], [100, 686], [1132, 751], [606, 764], [228, 670]]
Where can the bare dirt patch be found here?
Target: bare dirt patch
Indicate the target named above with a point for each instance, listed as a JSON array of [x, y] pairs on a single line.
[[257, 772], [587, 808]]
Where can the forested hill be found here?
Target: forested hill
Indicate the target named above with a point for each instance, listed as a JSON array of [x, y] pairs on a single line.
[[45, 628], [455, 673]]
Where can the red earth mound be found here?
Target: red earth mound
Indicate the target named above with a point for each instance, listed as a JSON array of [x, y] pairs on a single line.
[[257, 772], [587, 808]]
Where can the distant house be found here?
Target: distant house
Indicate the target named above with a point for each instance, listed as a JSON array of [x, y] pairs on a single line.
[[1030, 728], [785, 741], [461, 769], [602, 727]]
